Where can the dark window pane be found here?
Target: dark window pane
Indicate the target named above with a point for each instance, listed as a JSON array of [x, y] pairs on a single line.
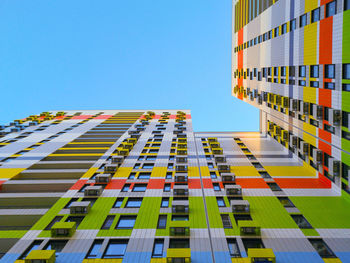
[[233, 247], [179, 243], [331, 9], [329, 71], [322, 248], [55, 220], [116, 249], [133, 202], [56, 245], [226, 221], [35, 245], [118, 203], [346, 71], [302, 71], [303, 20], [301, 221], [314, 71], [126, 222], [315, 15], [179, 218], [76, 219], [108, 222], [158, 248], [252, 243], [95, 249], [162, 222]]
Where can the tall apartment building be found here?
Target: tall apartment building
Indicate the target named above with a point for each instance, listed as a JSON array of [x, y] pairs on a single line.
[[291, 60], [141, 186]]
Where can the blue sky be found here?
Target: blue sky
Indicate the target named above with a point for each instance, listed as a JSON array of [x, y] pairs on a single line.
[[112, 54]]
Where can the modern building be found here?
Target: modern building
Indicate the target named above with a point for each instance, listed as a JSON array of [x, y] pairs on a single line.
[[141, 186]]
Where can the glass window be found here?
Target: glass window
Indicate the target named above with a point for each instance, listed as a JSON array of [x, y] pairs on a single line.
[[179, 243], [116, 249], [144, 176], [233, 247], [153, 151], [95, 249], [126, 188], [292, 71], [329, 71], [132, 176], [240, 217], [329, 85], [285, 201], [133, 202], [269, 37], [70, 202], [302, 71], [226, 221], [346, 5], [274, 186], [139, 188], [148, 166], [137, 166], [169, 175], [108, 222], [301, 221], [158, 246], [346, 87], [331, 9], [252, 243], [76, 219], [276, 31], [35, 245], [284, 28], [126, 222], [151, 158], [167, 188], [322, 248], [220, 201], [314, 71], [55, 220], [213, 175], [165, 202], [162, 221], [118, 203], [179, 218], [293, 24], [315, 15], [346, 71], [283, 71], [56, 245], [303, 20], [216, 187]]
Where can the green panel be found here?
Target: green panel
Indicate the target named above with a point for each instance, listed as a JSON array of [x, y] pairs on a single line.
[[213, 212], [345, 145], [324, 212], [98, 213], [309, 232], [269, 213], [147, 216], [47, 218], [12, 233], [116, 232], [346, 36], [346, 100], [197, 212]]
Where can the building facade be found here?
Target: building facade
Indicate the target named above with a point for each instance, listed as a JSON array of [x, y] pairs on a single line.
[[141, 186]]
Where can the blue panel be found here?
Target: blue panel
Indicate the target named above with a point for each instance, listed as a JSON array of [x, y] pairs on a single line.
[[222, 256], [343, 256], [70, 257], [132, 257], [300, 257], [201, 257], [9, 258]]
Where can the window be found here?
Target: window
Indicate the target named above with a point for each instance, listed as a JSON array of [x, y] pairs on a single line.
[[139, 188], [314, 84], [220, 201], [179, 218], [83, 188], [126, 222], [132, 176], [213, 175], [293, 24], [329, 85], [162, 221], [169, 175], [276, 31], [151, 158], [216, 187], [329, 71], [315, 15], [226, 221], [284, 28], [55, 220], [233, 247], [285, 202], [35, 245], [329, 128], [252, 243], [158, 246], [303, 20], [346, 5], [179, 243], [108, 222], [283, 71], [331, 9], [76, 219], [301, 221], [165, 202], [241, 217], [144, 176], [116, 249], [346, 71], [137, 166], [95, 249], [314, 71], [292, 71], [167, 188], [302, 71], [56, 245], [153, 151], [133, 202], [322, 248], [126, 188], [118, 203], [274, 186], [147, 166]]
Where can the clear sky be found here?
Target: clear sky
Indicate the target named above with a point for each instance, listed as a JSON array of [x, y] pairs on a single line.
[[112, 54]]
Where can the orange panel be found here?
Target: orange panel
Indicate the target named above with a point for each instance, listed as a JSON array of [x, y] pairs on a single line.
[[156, 184], [251, 183], [303, 183], [116, 184]]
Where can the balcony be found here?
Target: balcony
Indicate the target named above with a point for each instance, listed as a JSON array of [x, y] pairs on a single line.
[[178, 255], [248, 228], [180, 190], [41, 256], [261, 255], [180, 206], [80, 207], [228, 177], [233, 190], [240, 206], [63, 229], [179, 228]]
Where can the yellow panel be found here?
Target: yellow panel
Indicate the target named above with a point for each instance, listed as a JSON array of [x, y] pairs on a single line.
[[104, 260], [193, 171], [205, 171], [240, 260], [244, 171], [158, 260], [307, 137], [309, 95], [332, 260], [159, 172], [310, 44], [7, 173], [123, 172], [310, 5], [90, 172], [291, 171]]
